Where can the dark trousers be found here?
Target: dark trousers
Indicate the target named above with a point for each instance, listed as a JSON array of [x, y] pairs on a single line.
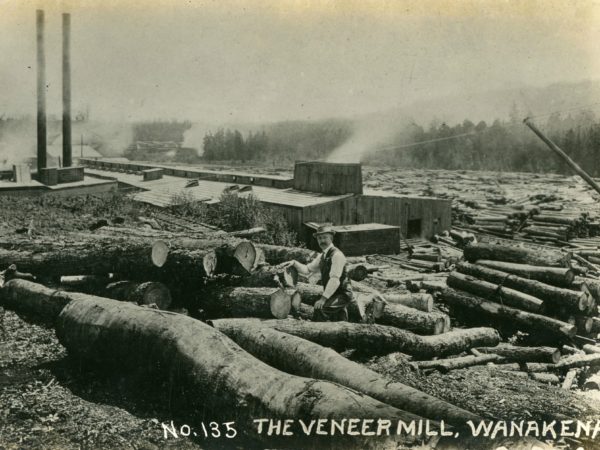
[[335, 309]]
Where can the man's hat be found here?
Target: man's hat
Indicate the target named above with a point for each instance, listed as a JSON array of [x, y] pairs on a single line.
[[324, 229]]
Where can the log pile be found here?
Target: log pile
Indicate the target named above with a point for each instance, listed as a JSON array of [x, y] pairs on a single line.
[[531, 290]]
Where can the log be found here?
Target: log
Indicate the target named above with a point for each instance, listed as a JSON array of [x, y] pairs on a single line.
[[309, 293], [569, 378], [379, 339], [357, 272], [522, 319], [494, 292], [251, 232], [411, 319], [550, 275], [526, 367], [313, 360], [275, 254], [133, 258], [446, 365], [592, 383], [421, 301], [572, 361], [271, 276], [575, 301], [261, 302], [591, 349], [514, 254], [12, 272], [524, 354], [147, 293], [547, 378], [220, 376], [34, 300], [88, 284]]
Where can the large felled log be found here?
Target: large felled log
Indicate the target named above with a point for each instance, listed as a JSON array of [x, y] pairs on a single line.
[[411, 319], [575, 301], [261, 302], [521, 255], [494, 292], [147, 293], [220, 374], [379, 339], [34, 300], [272, 276], [313, 360], [89, 284], [420, 301], [524, 354], [555, 276], [520, 319]]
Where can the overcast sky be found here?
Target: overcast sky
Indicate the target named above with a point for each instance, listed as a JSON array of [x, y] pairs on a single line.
[[253, 61]]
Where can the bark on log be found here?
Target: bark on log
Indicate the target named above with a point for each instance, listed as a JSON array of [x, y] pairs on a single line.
[[514, 254], [591, 349], [275, 254], [446, 365], [260, 302], [575, 301], [572, 361], [379, 339], [357, 272], [34, 300], [141, 338], [88, 284], [147, 293], [271, 276], [522, 319], [411, 319], [313, 360], [421, 301], [551, 275], [592, 383], [494, 292], [524, 354], [526, 367]]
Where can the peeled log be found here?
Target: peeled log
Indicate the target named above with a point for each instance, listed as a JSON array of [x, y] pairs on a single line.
[[379, 339], [524, 354], [522, 319], [514, 254], [420, 301], [304, 358], [148, 293], [494, 292], [215, 371], [575, 301], [446, 365], [261, 302], [551, 275], [411, 319]]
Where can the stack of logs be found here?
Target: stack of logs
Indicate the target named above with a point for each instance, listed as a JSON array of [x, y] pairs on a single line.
[[535, 291], [242, 291]]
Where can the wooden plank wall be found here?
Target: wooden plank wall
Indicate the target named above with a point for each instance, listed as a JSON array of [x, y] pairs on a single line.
[[435, 214], [328, 178], [337, 212]]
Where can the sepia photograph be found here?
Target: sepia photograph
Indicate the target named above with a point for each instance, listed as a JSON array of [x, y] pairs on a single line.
[[300, 224]]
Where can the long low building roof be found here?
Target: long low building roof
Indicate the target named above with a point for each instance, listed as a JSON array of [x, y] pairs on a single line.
[[170, 190]]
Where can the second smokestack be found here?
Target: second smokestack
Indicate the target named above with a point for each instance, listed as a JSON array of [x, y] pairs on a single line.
[[66, 90]]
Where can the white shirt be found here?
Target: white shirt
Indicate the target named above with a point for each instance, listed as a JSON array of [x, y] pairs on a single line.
[[338, 261]]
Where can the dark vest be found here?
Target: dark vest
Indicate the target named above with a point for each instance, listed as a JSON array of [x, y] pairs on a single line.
[[345, 287]]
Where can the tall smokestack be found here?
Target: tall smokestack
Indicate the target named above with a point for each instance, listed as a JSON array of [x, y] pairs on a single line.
[[41, 91], [66, 89]]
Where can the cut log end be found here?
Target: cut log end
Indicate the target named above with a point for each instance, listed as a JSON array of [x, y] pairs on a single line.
[[160, 251], [158, 294], [281, 304], [245, 253], [209, 263]]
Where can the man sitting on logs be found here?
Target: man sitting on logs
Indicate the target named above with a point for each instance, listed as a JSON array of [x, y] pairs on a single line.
[[331, 264]]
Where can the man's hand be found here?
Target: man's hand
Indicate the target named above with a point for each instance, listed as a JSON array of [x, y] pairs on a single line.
[[320, 303]]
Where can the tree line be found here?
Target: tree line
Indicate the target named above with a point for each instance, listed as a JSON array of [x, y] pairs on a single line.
[[502, 145]]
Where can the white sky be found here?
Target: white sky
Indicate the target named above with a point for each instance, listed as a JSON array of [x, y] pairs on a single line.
[[252, 61]]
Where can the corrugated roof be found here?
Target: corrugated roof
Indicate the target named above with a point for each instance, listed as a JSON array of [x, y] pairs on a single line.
[[162, 192]]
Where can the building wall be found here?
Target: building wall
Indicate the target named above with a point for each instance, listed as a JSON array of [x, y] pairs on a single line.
[[434, 214], [328, 178]]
